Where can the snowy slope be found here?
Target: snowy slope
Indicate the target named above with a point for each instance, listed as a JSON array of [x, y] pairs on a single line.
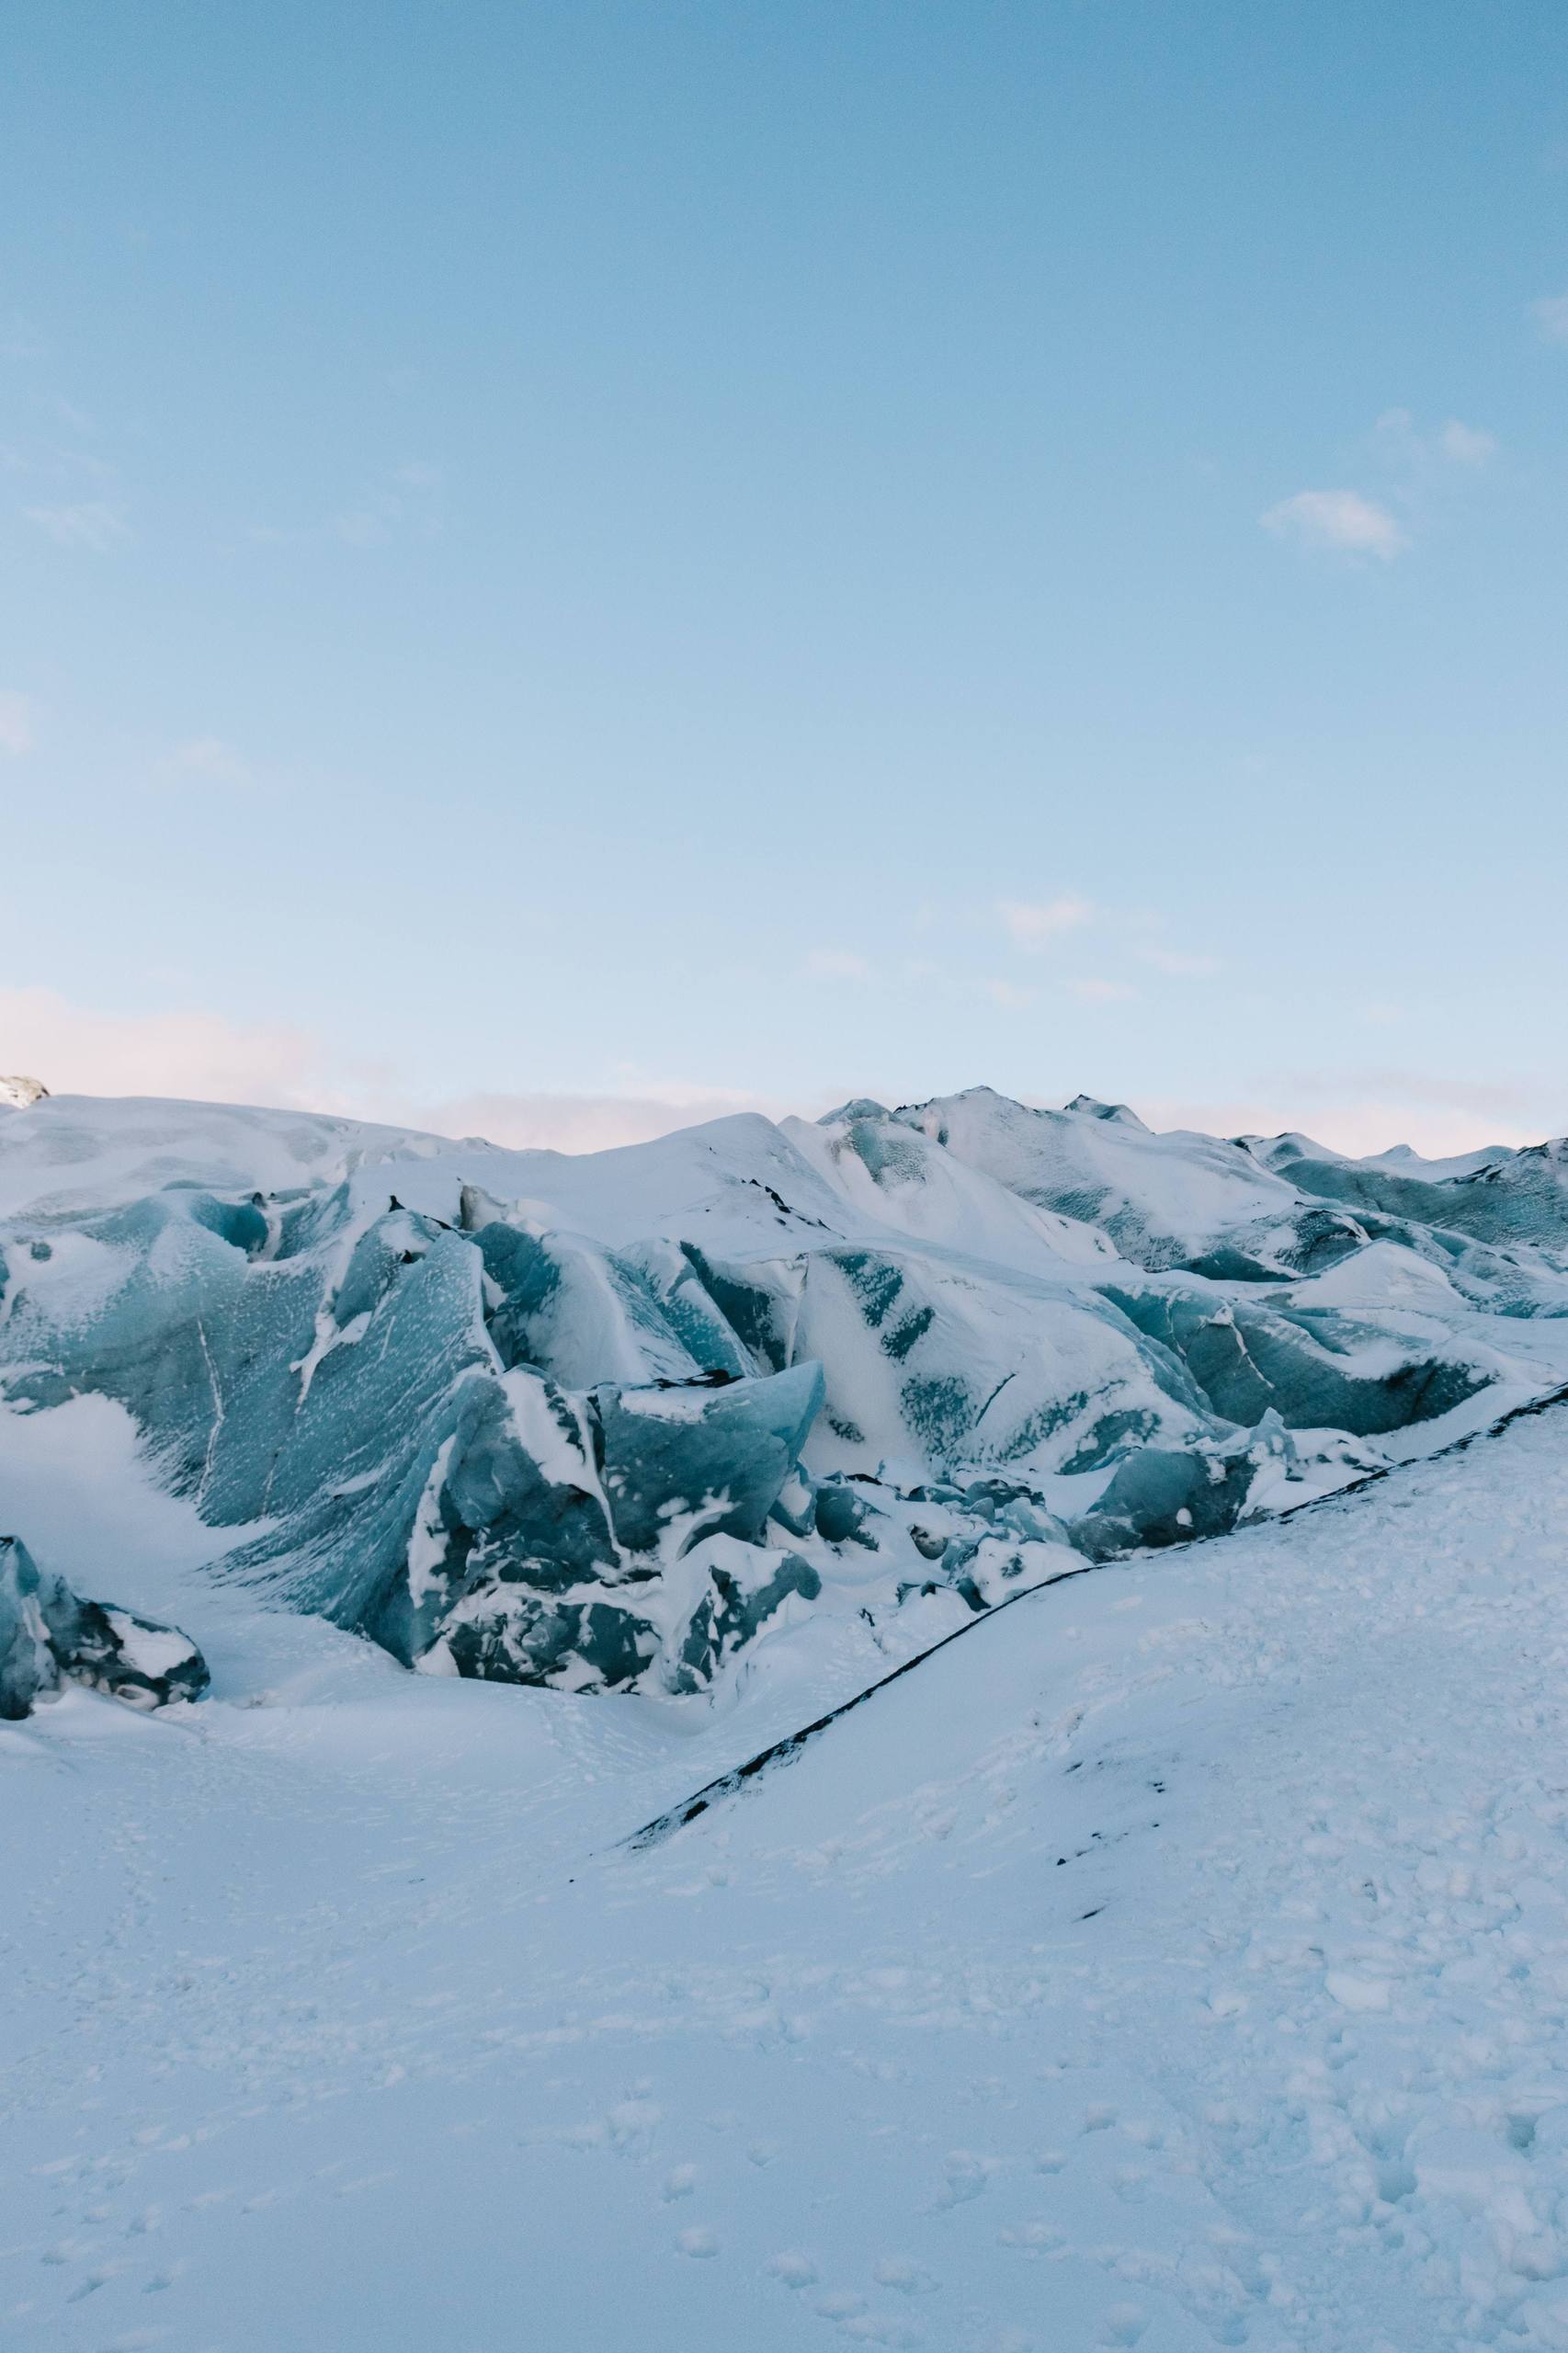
[[1175, 1960]]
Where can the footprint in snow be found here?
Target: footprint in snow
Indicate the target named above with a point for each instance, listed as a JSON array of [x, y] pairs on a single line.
[[633, 2122], [92, 2284], [1123, 2324], [967, 2176], [794, 2270], [839, 2303], [1032, 2236], [897, 2271]]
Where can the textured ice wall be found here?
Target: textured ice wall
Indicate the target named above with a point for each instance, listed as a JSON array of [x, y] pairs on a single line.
[[602, 1423]]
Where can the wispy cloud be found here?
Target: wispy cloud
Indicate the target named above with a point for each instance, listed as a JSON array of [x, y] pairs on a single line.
[[1340, 519], [206, 759], [207, 1058], [1372, 1111], [1347, 1126], [411, 502], [1449, 444], [367, 527], [1467, 444], [1099, 992], [1008, 995], [1180, 962], [77, 1050], [90, 523], [1550, 315], [836, 964], [1034, 927], [16, 723], [1489, 1095]]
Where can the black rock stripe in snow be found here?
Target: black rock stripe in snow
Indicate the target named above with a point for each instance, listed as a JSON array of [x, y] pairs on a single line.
[[785, 1751]]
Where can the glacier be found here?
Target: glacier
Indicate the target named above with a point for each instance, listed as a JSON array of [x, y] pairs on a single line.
[[49, 1636], [1031, 1886], [617, 1422]]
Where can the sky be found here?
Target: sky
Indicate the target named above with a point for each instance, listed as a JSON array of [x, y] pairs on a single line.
[[567, 568]]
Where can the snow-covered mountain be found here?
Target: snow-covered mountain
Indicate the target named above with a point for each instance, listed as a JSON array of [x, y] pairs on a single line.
[[615, 1421]]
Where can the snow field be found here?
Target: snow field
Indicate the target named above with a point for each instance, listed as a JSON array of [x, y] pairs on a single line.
[[1179, 1959]]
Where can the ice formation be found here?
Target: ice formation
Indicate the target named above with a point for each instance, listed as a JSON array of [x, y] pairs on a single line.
[[48, 1635], [603, 1422]]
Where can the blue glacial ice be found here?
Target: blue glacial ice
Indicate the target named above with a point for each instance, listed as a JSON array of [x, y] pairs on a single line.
[[48, 1635], [607, 1423]]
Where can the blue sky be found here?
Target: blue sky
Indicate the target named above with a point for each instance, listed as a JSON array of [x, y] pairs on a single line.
[[568, 563]]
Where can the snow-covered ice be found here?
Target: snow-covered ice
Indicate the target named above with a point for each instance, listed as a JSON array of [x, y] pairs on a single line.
[[49, 1635], [616, 1422]]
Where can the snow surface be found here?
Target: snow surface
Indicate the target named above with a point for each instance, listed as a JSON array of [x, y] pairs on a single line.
[[1178, 1959]]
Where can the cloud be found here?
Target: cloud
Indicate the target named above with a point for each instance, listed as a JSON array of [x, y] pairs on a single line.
[[1093, 992], [1034, 927], [1371, 1111], [207, 757], [367, 527], [79, 420], [1550, 315], [1181, 963], [835, 964], [1489, 1095], [91, 523], [1467, 444], [380, 515], [1337, 519], [1450, 444], [17, 716], [205, 1058], [1008, 995], [75, 1049]]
